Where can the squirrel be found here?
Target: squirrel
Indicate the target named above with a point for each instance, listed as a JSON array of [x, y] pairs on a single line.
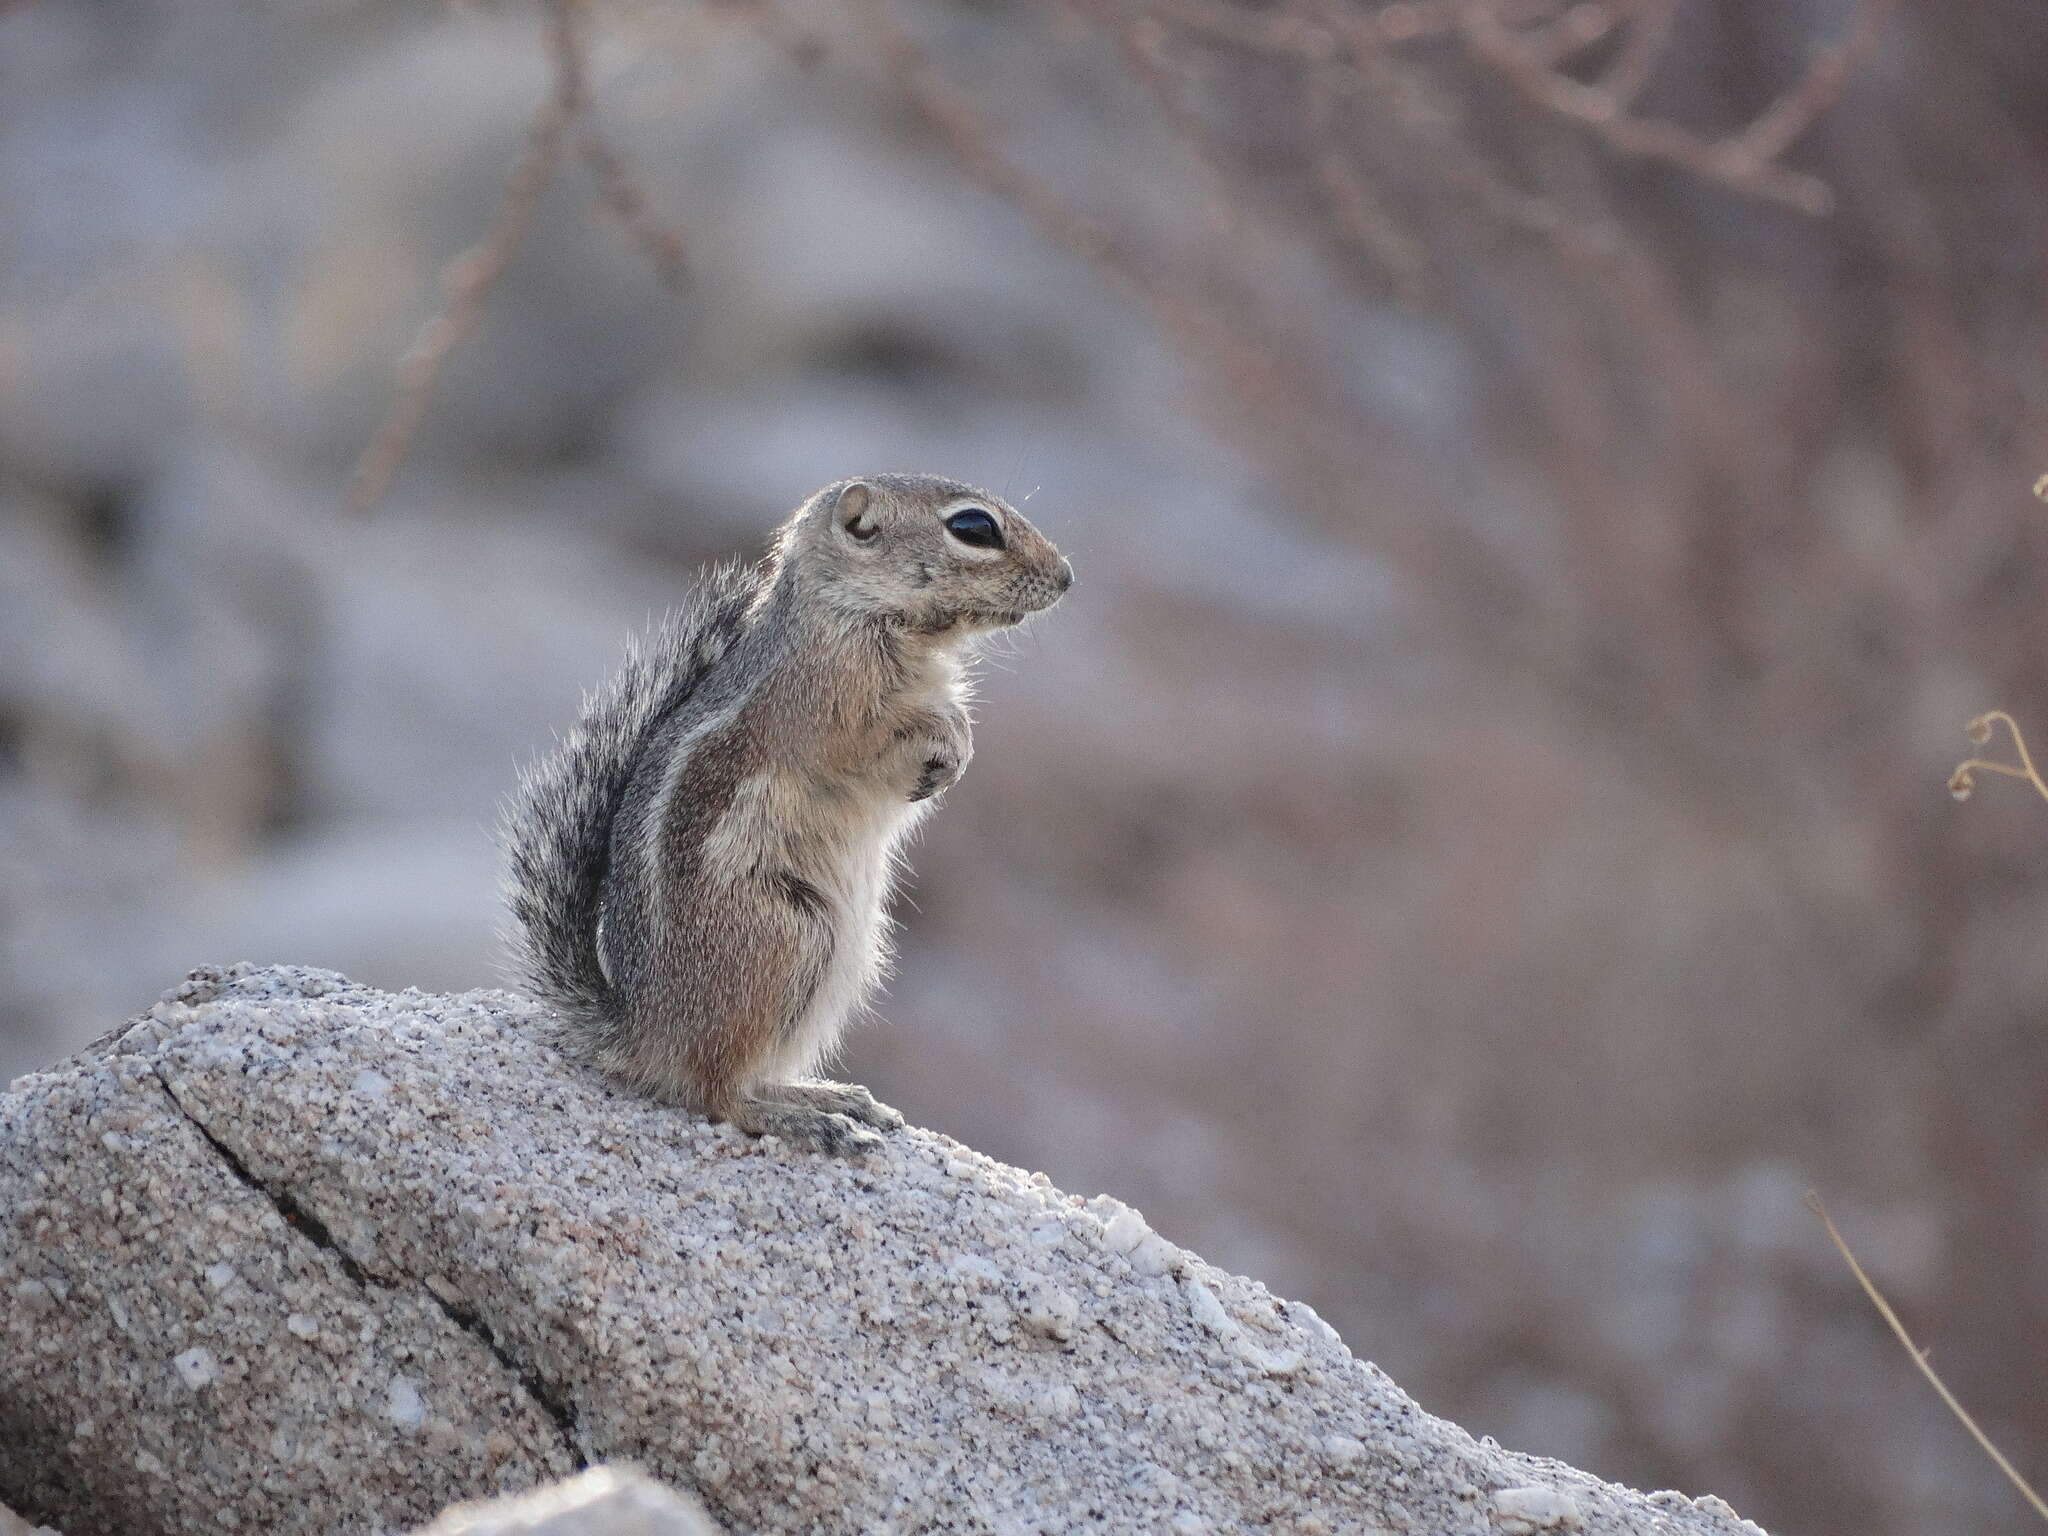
[[700, 872]]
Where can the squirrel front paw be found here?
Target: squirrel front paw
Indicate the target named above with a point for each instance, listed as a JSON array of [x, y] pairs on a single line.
[[939, 771], [937, 749]]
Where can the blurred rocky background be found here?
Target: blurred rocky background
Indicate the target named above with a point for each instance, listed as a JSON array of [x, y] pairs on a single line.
[[1549, 483]]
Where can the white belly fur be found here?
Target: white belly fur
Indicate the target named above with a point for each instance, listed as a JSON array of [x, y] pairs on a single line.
[[854, 863], [844, 839]]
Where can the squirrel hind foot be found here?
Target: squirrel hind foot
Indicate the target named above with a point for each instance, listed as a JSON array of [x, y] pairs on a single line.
[[820, 1130], [848, 1099]]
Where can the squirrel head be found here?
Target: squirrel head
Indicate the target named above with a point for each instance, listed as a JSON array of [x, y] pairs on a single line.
[[935, 557]]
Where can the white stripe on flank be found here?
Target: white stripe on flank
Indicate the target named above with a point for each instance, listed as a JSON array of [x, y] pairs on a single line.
[[657, 817]]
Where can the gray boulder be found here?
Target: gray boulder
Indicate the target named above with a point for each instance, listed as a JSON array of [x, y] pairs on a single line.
[[290, 1254]]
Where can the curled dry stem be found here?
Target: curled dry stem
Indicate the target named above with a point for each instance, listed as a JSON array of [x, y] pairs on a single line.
[[1963, 780], [1884, 1310]]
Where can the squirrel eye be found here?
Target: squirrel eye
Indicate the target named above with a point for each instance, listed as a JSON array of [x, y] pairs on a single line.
[[975, 527]]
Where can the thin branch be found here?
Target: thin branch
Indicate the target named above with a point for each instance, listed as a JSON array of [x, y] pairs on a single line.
[[1356, 210], [1776, 128], [1407, 19], [1898, 1328], [1400, 97], [619, 187], [1502, 38], [1363, 219], [1636, 60], [1144, 44], [960, 125], [472, 275], [1728, 161], [1565, 37], [1267, 31]]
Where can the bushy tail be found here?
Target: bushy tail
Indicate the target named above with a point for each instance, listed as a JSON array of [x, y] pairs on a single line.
[[556, 827]]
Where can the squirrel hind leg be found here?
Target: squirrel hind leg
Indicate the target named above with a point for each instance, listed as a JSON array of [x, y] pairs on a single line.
[[848, 1099], [819, 1129]]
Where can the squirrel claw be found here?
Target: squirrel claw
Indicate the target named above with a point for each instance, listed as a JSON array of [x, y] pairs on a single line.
[[938, 773], [839, 1136], [876, 1113]]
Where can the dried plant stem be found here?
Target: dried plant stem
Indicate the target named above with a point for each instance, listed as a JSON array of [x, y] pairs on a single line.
[[1624, 79], [1356, 209], [1898, 1328], [1742, 161], [473, 274], [1500, 38], [619, 189], [1773, 131], [1963, 780]]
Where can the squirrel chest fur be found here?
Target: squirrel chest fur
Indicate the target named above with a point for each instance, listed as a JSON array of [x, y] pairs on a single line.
[[701, 871]]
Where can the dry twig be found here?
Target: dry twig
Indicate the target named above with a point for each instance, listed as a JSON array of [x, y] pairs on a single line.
[[1636, 60], [1357, 54], [1773, 130], [473, 274], [619, 187], [1884, 1310], [1737, 161], [1356, 210]]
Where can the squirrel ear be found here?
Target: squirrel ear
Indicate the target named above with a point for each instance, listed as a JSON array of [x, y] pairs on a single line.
[[854, 510]]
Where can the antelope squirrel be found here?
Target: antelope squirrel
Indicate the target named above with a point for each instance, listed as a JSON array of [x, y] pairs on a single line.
[[700, 872]]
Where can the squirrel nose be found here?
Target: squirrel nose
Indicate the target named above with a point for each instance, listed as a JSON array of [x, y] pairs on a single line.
[[1065, 578]]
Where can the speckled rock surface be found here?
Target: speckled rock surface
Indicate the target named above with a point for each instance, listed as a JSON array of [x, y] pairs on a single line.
[[605, 1501], [295, 1255]]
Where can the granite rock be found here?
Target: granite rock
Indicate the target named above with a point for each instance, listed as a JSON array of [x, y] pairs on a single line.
[[291, 1254]]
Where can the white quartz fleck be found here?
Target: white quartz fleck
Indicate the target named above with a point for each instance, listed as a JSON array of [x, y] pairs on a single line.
[[197, 1367], [403, 1403]]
